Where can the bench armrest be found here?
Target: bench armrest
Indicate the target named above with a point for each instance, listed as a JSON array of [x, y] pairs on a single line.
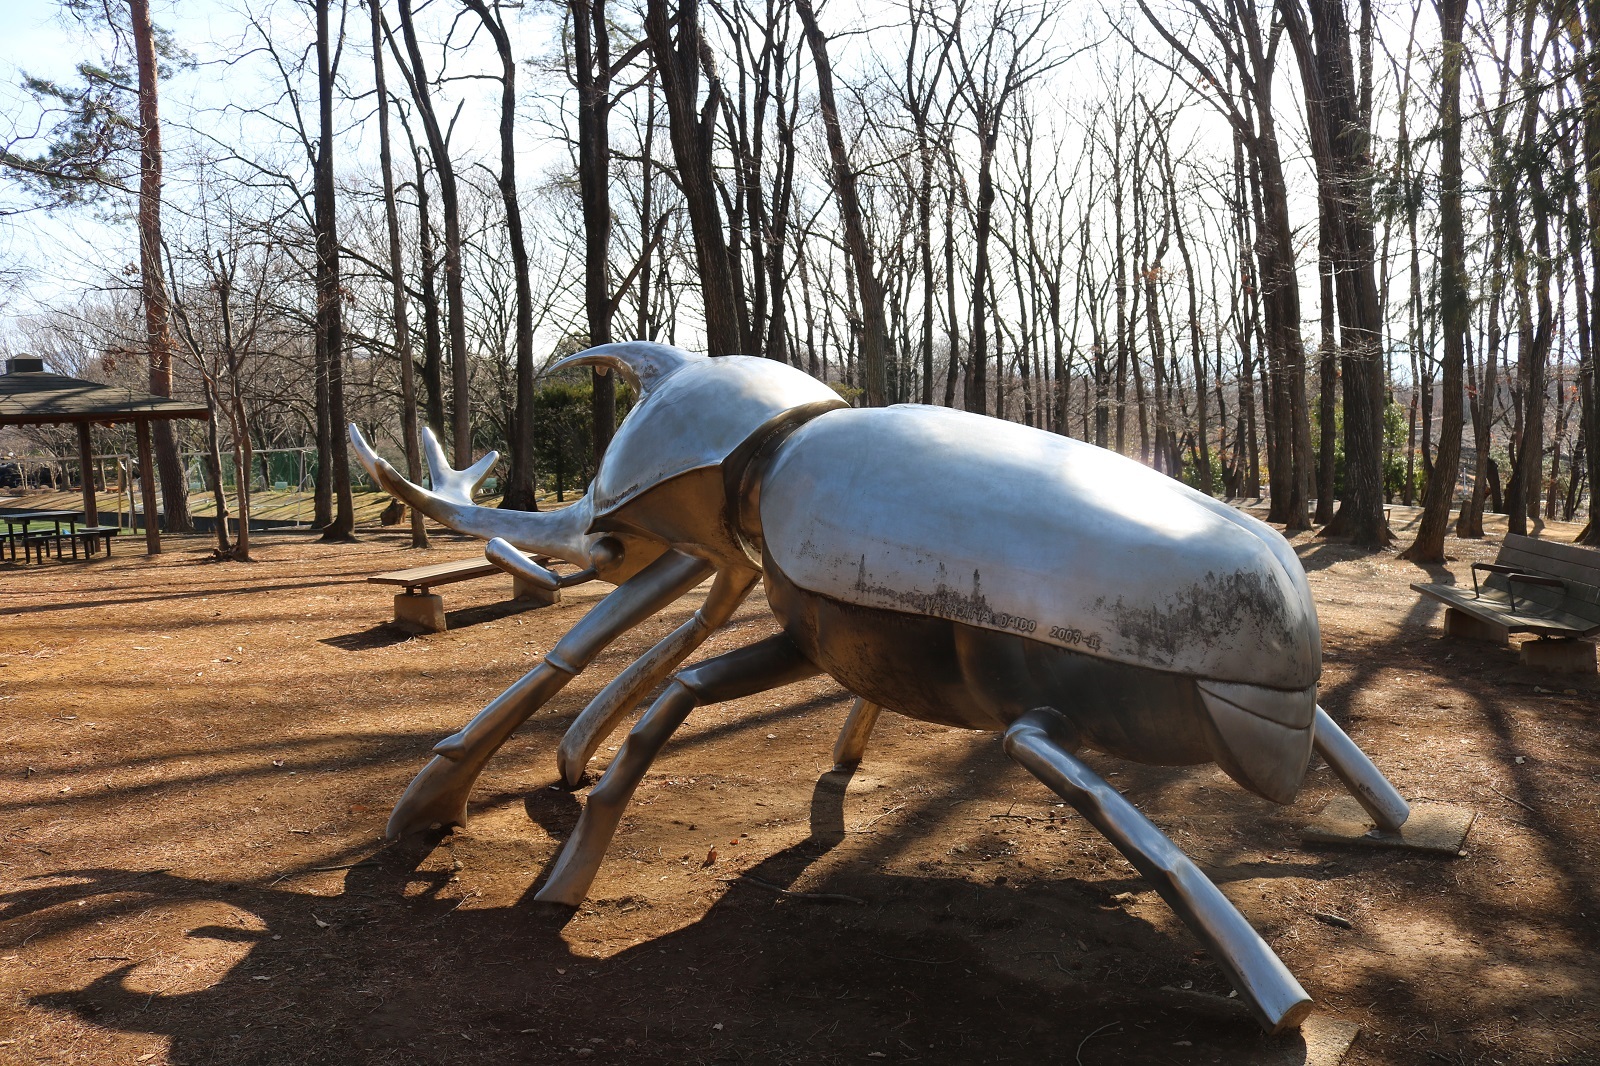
[[1512, 575]]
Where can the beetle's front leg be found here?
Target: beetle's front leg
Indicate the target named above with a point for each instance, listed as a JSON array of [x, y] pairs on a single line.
[[600, 718], [1040, 741], [439, 793]]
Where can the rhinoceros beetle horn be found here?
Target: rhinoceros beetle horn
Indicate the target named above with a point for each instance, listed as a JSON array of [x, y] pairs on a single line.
[[642, 363]]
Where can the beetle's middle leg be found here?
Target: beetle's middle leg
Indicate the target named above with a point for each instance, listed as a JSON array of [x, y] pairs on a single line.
[[614, 701], [439, 793], [1042, 743], [766, 664]]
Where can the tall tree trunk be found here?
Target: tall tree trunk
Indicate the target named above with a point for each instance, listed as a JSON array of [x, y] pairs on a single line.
[[1206, 480], [397, 284], [237, 416], [952, 322], [432, 339], [691, 124], [330, 324], [1589, 373], [460, 379], [157, 307], [592, 56], [1340, 141], [1429, 545], [1328, 380], [873, 371], [519, 492]]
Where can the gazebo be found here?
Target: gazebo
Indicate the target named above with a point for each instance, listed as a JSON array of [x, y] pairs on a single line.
[[30, 396]]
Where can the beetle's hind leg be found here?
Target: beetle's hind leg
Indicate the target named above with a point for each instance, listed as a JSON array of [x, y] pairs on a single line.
[[852, 742], [1042, 743], [439, 793], [766, 664]]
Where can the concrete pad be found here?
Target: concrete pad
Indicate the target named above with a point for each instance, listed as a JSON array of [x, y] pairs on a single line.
[[1320, 1041], [1463, 625], [419, 613], [1558, 653], [1439, 828], [527, 592]]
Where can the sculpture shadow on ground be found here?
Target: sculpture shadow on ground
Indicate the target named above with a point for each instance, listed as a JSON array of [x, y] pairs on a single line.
[[390, 969]]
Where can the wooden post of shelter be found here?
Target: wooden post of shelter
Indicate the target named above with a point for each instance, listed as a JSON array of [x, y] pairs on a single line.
[[91, 506], [147, 487]]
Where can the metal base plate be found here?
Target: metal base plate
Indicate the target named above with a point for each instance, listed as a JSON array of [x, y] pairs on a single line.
[[1434, 827]]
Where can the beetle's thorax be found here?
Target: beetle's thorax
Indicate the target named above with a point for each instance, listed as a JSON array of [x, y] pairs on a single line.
[[678, 464]]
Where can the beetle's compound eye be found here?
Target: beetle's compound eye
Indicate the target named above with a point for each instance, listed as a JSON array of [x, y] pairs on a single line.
[[605, 553]]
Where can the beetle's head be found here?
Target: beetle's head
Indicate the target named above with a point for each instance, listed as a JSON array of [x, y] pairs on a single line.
[[675, 474], [676, 471]]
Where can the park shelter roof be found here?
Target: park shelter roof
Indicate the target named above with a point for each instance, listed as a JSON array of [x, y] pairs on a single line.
[[29, 395]]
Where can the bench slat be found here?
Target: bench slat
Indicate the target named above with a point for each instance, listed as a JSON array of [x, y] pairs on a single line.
[[1576, 554], [1584, 582], [1553, 598], [1570, 586], [437, 573], [1579, 598], [1500, 613]]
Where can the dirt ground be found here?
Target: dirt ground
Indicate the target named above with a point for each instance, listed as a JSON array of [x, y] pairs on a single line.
[[197, 760]]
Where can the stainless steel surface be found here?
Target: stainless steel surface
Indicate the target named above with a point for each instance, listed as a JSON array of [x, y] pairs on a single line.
[[947, 566], [438, 795], [1363, 780], [767, 664], [601, 717], [1042, 743], [563, 534], [946, 514], [695, 414], [455, 486], [502, 554], [1262, 736], [960, 675], [852, 742]]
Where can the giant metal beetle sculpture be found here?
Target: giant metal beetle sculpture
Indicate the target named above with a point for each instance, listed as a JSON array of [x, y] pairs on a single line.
[[951, 567]]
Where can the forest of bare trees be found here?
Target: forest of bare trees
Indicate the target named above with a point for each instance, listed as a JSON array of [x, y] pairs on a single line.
[[1333, 254]]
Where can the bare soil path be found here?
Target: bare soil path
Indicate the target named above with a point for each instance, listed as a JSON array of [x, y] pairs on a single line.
[[197, 759]]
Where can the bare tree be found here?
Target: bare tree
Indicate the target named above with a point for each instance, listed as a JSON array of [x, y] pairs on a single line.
[[397, 280], [679, 50], [1429, 545], [415, 72]]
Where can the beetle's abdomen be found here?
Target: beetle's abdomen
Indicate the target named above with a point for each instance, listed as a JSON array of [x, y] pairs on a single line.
[[955, 674], [928, 511], [962, 675]]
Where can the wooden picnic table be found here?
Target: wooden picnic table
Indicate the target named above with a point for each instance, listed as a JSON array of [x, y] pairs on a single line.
[[25, 518], [90, 535]]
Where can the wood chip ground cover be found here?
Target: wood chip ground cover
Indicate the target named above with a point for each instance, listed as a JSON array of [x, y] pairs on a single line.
[[197, 759]]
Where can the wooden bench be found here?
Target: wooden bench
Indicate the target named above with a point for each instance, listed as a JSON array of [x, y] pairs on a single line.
[[1534, 586], [419, 610], [92, 536]]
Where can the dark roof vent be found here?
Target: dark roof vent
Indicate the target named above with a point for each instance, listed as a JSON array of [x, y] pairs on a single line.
[[25, 364]]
